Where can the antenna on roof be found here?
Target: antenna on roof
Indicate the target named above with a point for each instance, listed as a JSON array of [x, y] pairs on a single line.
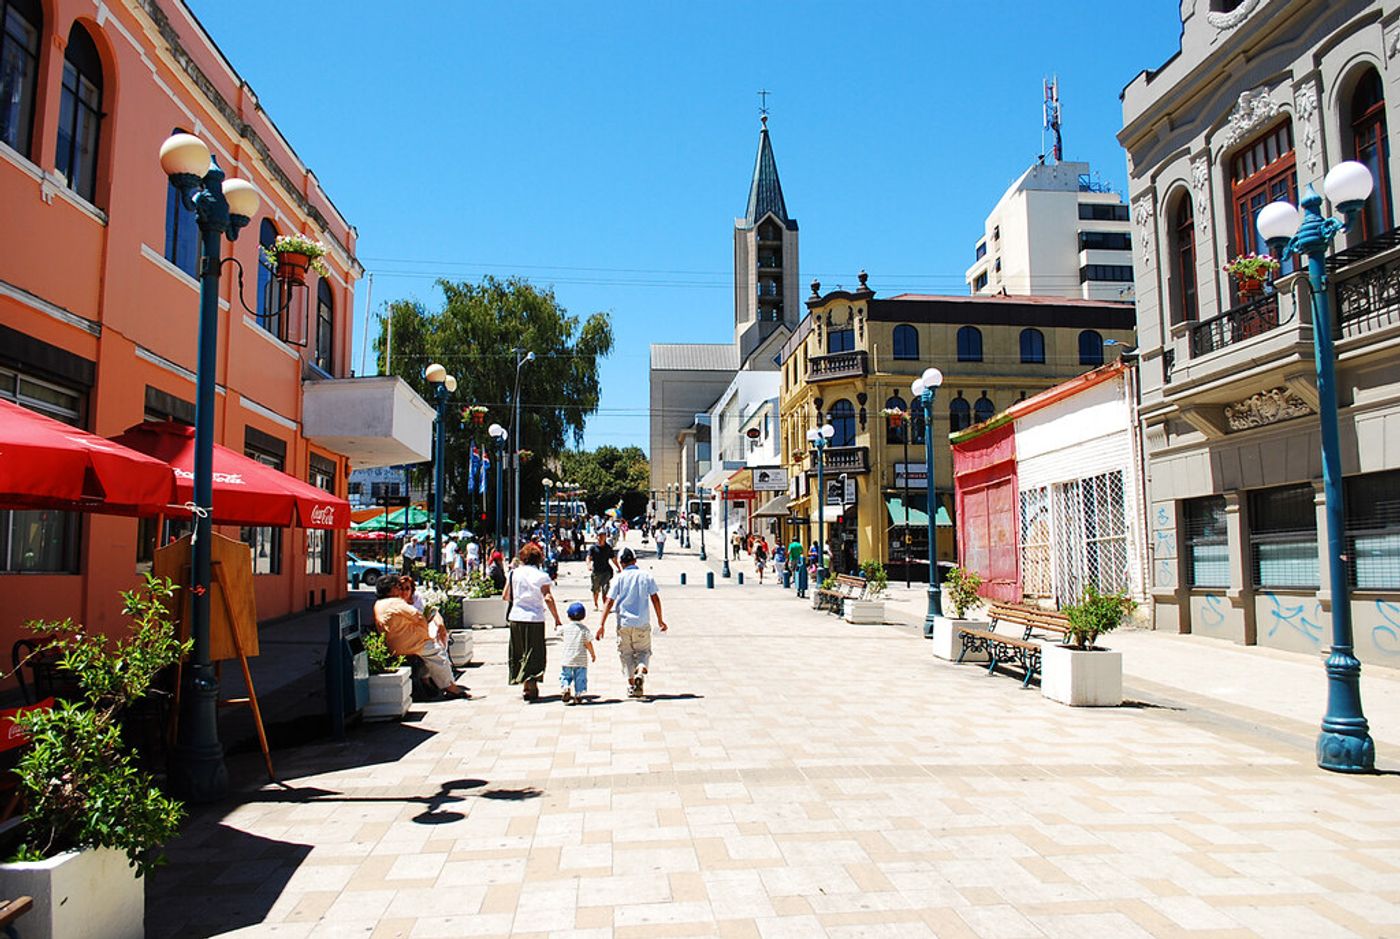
[[1050, 113]]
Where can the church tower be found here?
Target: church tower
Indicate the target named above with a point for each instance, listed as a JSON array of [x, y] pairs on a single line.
[[765, 261]]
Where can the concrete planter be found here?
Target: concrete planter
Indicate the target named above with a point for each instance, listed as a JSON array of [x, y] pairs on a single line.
[[390, 694], [460, 645], [1081, 678], [88, 894], [486, 611], [864, 611], [947, 644]]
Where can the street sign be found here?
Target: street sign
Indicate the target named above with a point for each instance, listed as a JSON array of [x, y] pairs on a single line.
[[835, 493], [850, 493], [394, 502], [770, 480], [914, 474]]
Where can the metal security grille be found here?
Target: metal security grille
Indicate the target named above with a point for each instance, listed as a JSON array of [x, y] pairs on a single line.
[[1090, 536], [1035, 542], [1207, 547], [1373, 530], [1283, 536]]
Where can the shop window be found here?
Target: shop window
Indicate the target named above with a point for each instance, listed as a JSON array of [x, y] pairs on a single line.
[[1090, 347], [906, 342], [843, 418], [1371, 147], [266, 541], [21, 25], [1206, 547], [1032, 347], [969, 344], [80, 114], [320, 542], [1373, 530], [40, 540], [1283, 537]]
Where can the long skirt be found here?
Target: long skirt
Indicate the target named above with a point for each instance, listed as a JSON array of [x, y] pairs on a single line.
[[526, 652]]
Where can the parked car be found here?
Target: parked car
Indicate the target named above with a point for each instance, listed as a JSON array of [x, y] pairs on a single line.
[[362, 572]]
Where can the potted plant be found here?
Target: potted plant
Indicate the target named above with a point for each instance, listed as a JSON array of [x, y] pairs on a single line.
[[895, 416], [475, 413], [1079, 673], [1251, 271], [93, 822], [482, 606], [291, 256], [869, 607], [390, 681], [960, 597]]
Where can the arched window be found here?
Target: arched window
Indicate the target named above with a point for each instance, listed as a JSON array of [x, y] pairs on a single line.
[[1183, 261], [325, 327], [959, 414], [1090, 348], [969, 344], [906, 342], [268, 299], [21, 25], [842, 416], [1371, 147], [80, 113], [1032, 347], [181, 229], [983, 409], [1262, 171], [896, 428]]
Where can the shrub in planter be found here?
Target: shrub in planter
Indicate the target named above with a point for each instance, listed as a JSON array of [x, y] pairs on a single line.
[[962, 586], [1094, 615], [381, 660], [1079, 673], [876, 580], [390, 681]]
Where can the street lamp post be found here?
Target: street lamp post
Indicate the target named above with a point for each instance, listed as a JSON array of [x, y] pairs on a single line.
[[1344, 744], [499, 435], [818, 438], [222, 207], [548, 541], [443, 386], [701, 492], [685, 517], [725, 571], [924, 387], [521, 358]]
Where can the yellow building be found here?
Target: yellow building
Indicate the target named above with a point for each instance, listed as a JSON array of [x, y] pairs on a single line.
[[851, 361]]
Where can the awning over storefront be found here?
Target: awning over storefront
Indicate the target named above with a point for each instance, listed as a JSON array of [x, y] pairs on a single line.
[[774, 508], [831, 514], [918, 518]]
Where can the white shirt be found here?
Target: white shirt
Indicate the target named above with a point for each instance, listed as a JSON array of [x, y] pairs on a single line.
[[473, 551], [526, 595], [631, 594]]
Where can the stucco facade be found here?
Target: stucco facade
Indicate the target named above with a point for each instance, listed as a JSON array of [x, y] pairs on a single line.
[[1259, 103]]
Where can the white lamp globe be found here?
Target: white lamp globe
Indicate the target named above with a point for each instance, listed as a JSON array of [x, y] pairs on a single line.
[[184, 154], [828, 431], [243, 198], [547, 483], [812, 435], [496, 430], [435, 373], [932, 377], [450, 383], [917, 387], [1348, 184], [1278, 221], [529, 357]]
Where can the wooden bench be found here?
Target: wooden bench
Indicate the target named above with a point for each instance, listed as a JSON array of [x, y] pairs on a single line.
[[848, 587], [11, 910], [1004, 648]]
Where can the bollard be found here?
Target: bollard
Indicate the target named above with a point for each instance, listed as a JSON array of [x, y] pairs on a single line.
[[741, 578], [682, 578], [709, 580], [787, 578]]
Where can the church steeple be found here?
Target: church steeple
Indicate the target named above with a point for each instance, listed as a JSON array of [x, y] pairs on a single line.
[[765, 192], [765, 260]]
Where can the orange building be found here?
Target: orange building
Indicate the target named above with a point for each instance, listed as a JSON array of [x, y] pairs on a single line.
[[99, 305]]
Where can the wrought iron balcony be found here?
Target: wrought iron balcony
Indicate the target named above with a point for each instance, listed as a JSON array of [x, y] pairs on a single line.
[[1368, 299], [837, 365], [842, 460], [1235, 325]]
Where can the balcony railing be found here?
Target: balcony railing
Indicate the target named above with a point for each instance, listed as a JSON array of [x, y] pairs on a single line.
[[1369, 299], [837, 365], [1235, 325], [843, 460]]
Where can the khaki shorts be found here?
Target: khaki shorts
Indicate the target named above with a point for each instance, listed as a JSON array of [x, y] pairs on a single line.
[[601, 580]]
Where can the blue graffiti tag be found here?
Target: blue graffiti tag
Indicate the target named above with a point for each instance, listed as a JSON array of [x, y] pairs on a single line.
[[1164, 518], [1386, 636], [1293, 617], [1212, 614]]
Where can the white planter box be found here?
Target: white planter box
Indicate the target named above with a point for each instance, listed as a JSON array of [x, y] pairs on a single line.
[[864, 611], [90, 894], [1081, 679], [487, 611], [460, 645], [947, 644], [390, 694]]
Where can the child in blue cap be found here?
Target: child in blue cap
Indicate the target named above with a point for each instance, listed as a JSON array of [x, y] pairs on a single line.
[[578, 650]]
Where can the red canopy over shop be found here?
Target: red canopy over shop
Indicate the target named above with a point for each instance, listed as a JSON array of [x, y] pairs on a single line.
[[246, 492], [46, 464]]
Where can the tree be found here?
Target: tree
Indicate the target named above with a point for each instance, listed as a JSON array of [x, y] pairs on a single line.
[[474, 335], [609, 475]]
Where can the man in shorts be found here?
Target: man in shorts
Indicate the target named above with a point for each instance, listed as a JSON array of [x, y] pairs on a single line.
[[602, 560], [634, 595]]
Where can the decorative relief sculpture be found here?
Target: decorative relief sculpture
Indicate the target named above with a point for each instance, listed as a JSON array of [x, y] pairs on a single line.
[[1143, 214], [1392, 43], [1200, 179], [1228, 21], [1305, 107], [1266, 407], [1253, 108]]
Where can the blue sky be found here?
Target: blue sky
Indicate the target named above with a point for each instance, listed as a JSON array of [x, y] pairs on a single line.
[[606, 148]]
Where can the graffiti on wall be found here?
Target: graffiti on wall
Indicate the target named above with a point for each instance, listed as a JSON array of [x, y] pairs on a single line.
[[1386, 635], [1295, 618]]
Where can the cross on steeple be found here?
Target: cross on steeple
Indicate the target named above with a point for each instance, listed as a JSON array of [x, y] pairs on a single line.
[[763, 94]]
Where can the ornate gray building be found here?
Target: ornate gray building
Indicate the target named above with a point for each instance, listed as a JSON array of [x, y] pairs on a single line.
[[1261, 100]]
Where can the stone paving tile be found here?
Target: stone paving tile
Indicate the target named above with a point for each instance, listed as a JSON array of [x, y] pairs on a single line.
[[892, 795]]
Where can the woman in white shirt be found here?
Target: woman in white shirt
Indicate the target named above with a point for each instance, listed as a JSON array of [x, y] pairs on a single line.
[[528, 591]]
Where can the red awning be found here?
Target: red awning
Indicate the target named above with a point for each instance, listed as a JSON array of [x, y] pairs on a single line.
[[246, 492], [46, 464]]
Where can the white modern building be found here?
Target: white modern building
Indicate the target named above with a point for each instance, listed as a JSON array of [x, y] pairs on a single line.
[[743, 439], [1056, 232]]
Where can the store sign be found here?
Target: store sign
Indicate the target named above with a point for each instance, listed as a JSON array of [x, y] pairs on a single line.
[[840, 492], [910, 475], [770, 480]]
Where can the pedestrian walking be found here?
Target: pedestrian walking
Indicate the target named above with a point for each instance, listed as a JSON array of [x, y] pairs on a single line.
[[633, 594], [602, 559], [473, 557], [660, 542], [578, 650], [760, 557], [528, 591]]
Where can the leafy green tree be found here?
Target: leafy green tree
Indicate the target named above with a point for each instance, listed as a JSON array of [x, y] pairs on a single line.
[[474, 334], [609, 475]]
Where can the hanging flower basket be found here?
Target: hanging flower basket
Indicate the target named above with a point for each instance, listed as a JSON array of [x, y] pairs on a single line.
[[894, 415], [292, 267], [524, 455], [291, 256], [476, 414], [1251, 272]]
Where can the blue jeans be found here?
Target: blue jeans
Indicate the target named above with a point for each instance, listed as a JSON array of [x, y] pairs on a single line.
[[576, 675], [660, 549]]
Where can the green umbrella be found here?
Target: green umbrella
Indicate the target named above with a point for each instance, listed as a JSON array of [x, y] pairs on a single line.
[[394, 520]]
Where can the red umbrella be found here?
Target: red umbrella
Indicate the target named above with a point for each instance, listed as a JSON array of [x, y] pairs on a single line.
[[246, 492], [46, 464]]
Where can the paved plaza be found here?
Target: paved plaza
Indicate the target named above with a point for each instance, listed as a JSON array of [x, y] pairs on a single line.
[[797, 776]]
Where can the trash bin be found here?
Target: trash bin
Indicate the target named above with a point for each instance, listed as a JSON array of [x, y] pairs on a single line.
[[802, 580], [787, 578], [347, 670]]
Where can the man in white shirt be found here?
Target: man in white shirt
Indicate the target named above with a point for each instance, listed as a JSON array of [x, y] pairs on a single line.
[[633, 593], [473, 556]]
